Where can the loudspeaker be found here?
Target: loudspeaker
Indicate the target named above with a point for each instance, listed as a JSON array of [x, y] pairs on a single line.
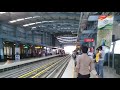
[[113, 38]]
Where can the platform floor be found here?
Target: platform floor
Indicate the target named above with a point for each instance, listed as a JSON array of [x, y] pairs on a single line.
[[25, 59], [70, 73]]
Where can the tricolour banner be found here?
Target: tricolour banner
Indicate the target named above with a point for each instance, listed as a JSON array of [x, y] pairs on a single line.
[[105, 27]]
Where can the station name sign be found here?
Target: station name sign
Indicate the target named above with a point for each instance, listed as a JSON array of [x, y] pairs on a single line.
[[88, 40]]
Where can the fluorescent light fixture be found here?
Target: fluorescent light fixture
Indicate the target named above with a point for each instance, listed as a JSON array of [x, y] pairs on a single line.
[[41, 26], [2, 12], [38, 22], [33, 27], [47, 21], [28, 17], [25, 25], [13, 21], [20, 19], [36, 16]]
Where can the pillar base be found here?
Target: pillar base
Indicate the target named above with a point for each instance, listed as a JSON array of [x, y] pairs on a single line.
[[8, 62]]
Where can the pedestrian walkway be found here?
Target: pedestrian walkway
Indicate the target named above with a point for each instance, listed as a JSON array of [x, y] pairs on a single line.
[[110, 73], [70, 72]]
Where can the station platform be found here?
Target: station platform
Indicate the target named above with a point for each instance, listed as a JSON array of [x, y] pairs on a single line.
[[3, 65], [26, 59], [70, 72]]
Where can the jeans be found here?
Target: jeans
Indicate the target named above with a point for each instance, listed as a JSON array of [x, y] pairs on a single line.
[[97, 67], [101, 68]]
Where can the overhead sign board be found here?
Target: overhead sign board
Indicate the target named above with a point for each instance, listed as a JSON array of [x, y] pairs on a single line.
[[88, 40], [93, 18]]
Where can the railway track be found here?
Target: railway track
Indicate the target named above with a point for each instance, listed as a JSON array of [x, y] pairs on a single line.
[[41, 69]]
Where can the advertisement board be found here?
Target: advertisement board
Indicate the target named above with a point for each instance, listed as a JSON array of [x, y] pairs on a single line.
[[17, 53], [105, 27]]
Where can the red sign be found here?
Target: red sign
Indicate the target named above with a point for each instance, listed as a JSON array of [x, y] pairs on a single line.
[[88, 40]]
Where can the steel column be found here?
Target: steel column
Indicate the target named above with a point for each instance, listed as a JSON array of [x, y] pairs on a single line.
[[1, 49]]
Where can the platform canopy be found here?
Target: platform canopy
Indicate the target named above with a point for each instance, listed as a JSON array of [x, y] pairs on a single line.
[[53, 22], [56, 23]]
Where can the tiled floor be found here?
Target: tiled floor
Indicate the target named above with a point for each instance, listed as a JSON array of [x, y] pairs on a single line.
[[110, 73]]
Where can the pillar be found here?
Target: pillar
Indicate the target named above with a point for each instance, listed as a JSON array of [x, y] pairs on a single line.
[[17, 50], [41, 38], [50, 41], [33, 36], [1, 50], [44, 38]]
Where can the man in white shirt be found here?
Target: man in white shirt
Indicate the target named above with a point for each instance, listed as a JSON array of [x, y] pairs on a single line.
[[90, 53]]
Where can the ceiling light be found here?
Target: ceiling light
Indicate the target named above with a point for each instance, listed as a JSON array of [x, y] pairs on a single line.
[[36, 16], [47, 21], [28, 17], [20, 19], [38, 22], [13, 21], [25, 25], [2, 12], [33, 27]]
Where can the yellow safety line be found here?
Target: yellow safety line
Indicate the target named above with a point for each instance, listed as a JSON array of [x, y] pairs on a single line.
[[41, 72], [29, 73]]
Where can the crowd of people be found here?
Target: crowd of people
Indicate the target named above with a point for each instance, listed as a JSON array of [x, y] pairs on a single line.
[[87, 61]]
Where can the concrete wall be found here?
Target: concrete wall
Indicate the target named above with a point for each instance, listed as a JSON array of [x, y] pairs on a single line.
[[116, 27]]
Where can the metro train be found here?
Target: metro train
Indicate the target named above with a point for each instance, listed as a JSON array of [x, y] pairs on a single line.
[[58, 51]]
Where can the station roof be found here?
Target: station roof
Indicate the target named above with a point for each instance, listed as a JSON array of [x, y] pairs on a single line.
[[52, 22], [57, 23]]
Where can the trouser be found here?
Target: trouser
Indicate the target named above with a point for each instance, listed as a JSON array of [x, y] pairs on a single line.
[[97, 67], [83, 76], [101, 62], [75, 63]]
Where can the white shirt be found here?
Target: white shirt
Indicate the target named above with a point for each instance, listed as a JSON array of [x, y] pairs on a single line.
[[90, 54], [102, 54]]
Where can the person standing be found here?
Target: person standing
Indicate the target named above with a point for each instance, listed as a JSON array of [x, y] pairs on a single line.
[[101, 61], [90, 53], [97, 60], [84, 64], [74, 55]]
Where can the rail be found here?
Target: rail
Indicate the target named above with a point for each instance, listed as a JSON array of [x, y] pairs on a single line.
[[21, 63]]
